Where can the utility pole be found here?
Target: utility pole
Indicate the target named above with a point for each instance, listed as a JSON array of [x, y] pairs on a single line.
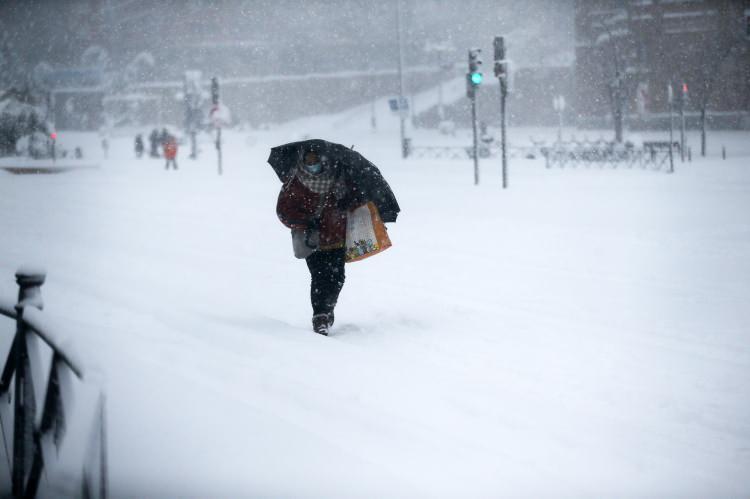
[[501, 72], [473, 79], [401, 100]]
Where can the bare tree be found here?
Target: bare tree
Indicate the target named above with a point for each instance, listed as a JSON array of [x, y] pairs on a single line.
[[609, 42]]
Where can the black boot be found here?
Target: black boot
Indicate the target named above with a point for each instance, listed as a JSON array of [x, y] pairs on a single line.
[[322, 323]]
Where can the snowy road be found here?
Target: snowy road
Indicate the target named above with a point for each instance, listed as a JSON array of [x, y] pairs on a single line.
[[584, 333]]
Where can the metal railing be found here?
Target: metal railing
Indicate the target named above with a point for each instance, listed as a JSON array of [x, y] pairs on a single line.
[[42, 378], [605, 154], [492, 150]]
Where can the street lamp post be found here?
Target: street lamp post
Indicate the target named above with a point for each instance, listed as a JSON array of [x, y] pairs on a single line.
[[401, 110]]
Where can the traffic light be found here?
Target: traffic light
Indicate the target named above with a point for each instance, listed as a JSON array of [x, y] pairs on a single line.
[[475, 62], [501, 68], [681, 95]]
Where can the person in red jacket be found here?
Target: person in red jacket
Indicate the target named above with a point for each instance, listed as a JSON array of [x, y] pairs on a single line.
[[314, 204], [170, 151]]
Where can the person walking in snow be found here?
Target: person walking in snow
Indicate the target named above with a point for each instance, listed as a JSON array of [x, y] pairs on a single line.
[[138, 146], [314, 203], [170, 151], [323, 185]]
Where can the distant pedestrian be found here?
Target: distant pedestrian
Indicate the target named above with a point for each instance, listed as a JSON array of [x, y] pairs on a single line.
[[153, 140], [105, 147], [138, 146], [170, 151]]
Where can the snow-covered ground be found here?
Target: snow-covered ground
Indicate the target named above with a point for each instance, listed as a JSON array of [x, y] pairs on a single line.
[[584, 333]]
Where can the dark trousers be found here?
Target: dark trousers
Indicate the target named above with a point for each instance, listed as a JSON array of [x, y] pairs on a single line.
[[172, 162], [327, 273]]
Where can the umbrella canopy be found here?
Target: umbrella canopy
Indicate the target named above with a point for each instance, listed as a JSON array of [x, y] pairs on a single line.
[[366, 180]]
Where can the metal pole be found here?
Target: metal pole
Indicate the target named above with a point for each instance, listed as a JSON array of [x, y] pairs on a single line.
[[671, 135], [218, 147], [402, 117], [703, 131], [474, 129], [682, 132], [503, 95], [441, 110]]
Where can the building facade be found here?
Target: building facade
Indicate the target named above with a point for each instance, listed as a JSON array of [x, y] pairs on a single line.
[[633, 50]]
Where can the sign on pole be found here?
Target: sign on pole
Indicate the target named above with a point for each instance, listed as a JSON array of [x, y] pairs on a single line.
[[393, 104]]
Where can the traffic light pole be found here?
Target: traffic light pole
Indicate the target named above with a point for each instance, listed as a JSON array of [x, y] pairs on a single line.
[[501, 72], [476, 143], [670, 100], [473, 80], [682, 128]]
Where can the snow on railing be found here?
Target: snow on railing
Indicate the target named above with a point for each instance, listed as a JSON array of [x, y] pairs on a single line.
[[44, 378], [654, 155]]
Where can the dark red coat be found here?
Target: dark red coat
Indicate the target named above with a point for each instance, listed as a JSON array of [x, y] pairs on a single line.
[[297, 207]]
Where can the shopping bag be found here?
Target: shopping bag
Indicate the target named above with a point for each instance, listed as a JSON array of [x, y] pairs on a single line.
[[366, 234]]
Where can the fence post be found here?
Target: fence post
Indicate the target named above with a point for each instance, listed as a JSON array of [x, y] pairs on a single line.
[[24, 406]]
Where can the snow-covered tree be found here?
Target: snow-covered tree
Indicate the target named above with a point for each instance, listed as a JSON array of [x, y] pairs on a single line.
[[20, 117]]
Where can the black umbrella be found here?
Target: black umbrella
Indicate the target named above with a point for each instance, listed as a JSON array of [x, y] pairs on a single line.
[[366, 180]]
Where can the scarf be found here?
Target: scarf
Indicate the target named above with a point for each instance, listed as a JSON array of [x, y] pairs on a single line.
[[319, 184]]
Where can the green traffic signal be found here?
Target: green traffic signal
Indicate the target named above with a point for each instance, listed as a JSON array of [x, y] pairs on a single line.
[[476, 78]]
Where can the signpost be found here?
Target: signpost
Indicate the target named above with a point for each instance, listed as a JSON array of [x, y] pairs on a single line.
[[215, 116]]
